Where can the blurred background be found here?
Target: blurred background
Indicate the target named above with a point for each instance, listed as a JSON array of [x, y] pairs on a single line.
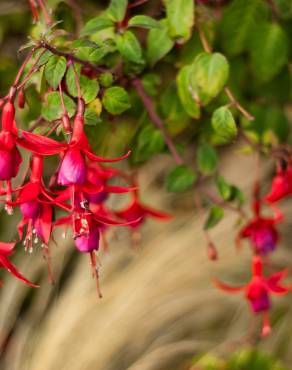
[[159, 309]]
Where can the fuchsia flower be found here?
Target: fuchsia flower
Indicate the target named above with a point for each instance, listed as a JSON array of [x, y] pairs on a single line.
[[261, 231], [139, 212], [73, 168], [6, 249], [259, 290], [33, 200], [10, 158], [281, 184]]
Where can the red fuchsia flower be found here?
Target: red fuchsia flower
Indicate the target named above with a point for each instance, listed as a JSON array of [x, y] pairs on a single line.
[[87, 229], [73, 167], [259, 290], [6, 249], [10, 157], [281, 184], [261, 231], [139, 212]]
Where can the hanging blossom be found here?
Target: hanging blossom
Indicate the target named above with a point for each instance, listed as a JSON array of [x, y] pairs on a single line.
[[259, 290], [281, 184], [261, 231], [10, 158]]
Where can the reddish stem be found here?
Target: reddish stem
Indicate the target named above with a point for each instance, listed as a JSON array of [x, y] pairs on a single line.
[[149, 105]]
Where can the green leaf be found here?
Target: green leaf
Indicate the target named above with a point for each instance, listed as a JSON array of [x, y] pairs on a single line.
[[89, 88], [159, 43], [180, 179], [269, 50], [93, 54], [225, 190], [116, 100], [52, 109], [96, 24], [238, 24], [106, 79], [224, 124], [150, 82], [143, 21], [206, 159], [55, 70], [117, 10], [129, 47], [180, 17], [44, 58], [209, 75], [185, 94], [149, 142], [215, 216], [90, 117]]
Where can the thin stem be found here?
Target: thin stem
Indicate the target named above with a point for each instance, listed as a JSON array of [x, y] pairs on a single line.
[[222, 203], [72, 57], [149, 105], [21, 69], [137, 3], [228, 92], [77, 82], [45, 12]]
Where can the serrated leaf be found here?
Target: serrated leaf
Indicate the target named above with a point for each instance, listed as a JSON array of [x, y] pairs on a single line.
[[224, 124], [209, 75], [129, 47], [185, 94], [180, 17], [143, 21], [116, 100], [117, 10], [90, 117], [93, 54], [159, 43], [269, 50], [180, 179], [52, 109], [96, 24], [206, 158], [89, 88], [55, 70], [238, 23], [149, 142], [44, 58]]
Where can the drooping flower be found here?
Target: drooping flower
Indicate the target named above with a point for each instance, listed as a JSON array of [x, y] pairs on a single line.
[[6, 249], [262, 234], [87, 228], [259, 290], [72, 170], [281, 184], [261, 231], [138, 211], [10, 158]]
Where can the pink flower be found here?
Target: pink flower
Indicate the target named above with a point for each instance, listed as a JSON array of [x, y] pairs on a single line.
[[259, 290], [72, 169], [281, 185]]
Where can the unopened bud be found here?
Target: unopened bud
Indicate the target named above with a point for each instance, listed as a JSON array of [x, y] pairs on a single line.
[[21, 99], [212, 252]]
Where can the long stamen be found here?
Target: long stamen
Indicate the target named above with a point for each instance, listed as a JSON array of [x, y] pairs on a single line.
[[47, 257], [9, 208], [95, 274]]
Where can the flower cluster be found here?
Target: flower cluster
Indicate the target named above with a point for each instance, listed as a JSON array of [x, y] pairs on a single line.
[[261, 231], [79, 187]]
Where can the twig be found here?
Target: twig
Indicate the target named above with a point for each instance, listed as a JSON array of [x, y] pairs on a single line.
[[228, 92], [45, 12], [136, 3], [72, 57], [149, 105], [222, 203]]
